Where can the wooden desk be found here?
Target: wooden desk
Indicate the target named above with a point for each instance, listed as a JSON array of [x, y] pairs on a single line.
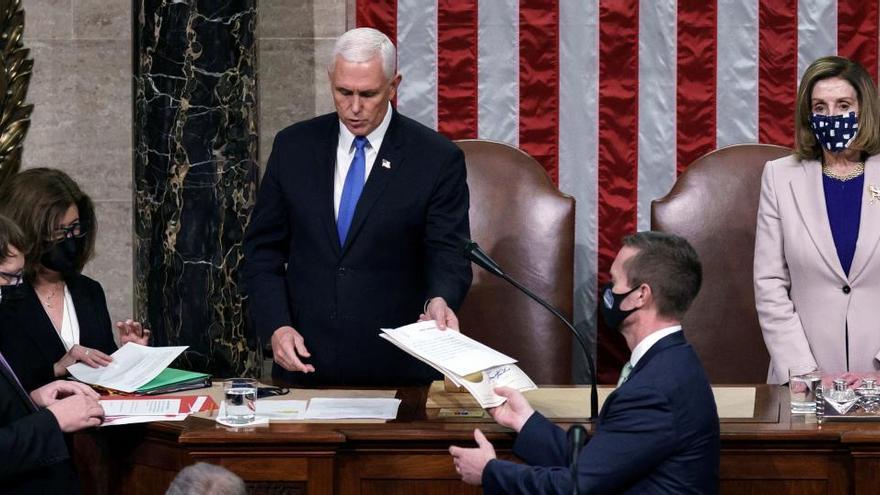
[[774, 453]]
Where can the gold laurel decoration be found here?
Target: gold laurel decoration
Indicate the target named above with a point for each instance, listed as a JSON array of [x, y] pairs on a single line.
[[15, 75]]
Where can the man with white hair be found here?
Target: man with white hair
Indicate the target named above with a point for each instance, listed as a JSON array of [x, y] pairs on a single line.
[[358, 226]]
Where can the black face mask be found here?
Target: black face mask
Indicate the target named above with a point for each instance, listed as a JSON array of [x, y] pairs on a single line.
[[610, 307], [63, 255]]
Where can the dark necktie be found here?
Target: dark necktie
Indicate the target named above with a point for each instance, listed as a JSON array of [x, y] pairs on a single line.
[[351, 190]]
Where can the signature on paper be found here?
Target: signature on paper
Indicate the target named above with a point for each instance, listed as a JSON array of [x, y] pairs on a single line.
[[498, 372]]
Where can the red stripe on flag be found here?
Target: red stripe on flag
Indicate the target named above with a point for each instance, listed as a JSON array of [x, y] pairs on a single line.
[[378, 15], [457, 68], [539, 82], [618, 154], [777, 71], [695, 91], [857, 32]]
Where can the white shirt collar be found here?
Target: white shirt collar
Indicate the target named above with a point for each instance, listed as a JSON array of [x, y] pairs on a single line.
[[649, 341], [346, 138]]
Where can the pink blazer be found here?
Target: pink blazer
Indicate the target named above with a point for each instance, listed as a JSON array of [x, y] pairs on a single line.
[[804, 300]]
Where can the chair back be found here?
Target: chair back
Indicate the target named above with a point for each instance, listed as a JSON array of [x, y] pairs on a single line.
[[714, 205], [522, 220]]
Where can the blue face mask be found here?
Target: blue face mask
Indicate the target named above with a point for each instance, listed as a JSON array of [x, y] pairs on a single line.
[[835, 132]]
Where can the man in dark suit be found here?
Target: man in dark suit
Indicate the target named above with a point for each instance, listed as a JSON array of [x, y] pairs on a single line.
[[33, 453], [658, 432], [358, 225]]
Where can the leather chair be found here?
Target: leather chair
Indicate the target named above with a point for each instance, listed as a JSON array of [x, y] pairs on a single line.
[[714, 205], [519, 217]]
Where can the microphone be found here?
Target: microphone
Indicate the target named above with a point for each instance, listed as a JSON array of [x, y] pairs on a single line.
[[479, 257], [577, 437]]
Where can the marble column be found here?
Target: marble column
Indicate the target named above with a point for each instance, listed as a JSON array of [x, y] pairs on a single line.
[[195, 176]]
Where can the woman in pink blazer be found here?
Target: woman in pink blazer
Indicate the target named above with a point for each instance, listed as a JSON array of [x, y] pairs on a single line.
[[816, 270]]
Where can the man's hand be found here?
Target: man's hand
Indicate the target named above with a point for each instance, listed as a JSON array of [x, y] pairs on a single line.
[[438, 311], [59, 389], [288, 347], [132, 331], [515, 411], [470, 463], [77, 412]]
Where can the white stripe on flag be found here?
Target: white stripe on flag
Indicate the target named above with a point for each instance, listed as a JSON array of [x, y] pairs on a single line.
[[578, 156], [817, 32], [498, 70], [657, 96], [417, 60], [737, 74]]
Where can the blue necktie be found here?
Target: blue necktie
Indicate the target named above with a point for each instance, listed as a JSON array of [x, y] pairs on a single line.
[[351, 191]]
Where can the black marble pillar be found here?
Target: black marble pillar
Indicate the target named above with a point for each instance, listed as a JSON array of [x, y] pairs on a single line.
[[195, 176]]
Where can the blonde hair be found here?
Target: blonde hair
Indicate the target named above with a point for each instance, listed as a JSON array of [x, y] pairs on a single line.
[[867, 140]]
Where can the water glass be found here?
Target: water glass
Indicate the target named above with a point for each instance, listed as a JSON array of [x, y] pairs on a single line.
[[802, 384], [240, 400]]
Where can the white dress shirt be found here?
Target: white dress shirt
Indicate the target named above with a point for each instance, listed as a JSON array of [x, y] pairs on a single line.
[[69, 323], [345, 153], [649, 341]]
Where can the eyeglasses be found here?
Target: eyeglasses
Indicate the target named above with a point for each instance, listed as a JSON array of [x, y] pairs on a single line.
[[14, 279], [75, 229]]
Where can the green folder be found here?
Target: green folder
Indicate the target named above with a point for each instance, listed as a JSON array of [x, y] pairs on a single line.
[[175, 380]]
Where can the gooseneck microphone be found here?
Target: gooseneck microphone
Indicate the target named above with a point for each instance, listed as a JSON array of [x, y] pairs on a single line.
[[479, 257], [577, 437]]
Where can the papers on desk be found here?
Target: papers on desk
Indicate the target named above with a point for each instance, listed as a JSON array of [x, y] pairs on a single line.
[[354, 408], [468, 363], [130, 410], [133, 366]]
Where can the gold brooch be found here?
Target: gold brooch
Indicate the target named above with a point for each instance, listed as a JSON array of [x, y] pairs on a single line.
[[875, 193]]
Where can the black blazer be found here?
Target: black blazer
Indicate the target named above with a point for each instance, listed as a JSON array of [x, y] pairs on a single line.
[[657, 433], [33, 455], [404, 246], [32, 345]]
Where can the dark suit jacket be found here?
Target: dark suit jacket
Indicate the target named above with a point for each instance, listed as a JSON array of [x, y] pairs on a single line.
[[404, 245], [32, 345], [657, 433], [33, 455]]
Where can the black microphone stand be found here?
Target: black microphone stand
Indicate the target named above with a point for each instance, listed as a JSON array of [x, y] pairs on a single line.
[[473, 252], [577, 436]]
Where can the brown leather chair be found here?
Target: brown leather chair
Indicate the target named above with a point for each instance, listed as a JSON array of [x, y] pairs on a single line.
[[519, 217], [714, 205]]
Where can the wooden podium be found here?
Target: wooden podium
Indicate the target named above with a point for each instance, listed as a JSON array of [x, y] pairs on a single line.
[[772, 453]]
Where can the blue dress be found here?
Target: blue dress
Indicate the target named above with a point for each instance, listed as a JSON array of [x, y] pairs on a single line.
[[843, 201]]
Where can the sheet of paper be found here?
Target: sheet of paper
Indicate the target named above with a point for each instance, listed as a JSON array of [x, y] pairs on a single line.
[[507, 375], [129, 420], [133, 365], [281, 409], [355, 408], [152, 407], [452, 350]]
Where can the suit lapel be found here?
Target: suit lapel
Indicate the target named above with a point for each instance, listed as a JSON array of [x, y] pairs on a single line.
[[8, 375], [325, 157], [673, 339], [42, 333], [810, 199], [380, 176], [869, 223]]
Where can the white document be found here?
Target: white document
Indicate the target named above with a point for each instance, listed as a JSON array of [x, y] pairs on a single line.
[[281, 409], [354, 408], [452, 350], [142, 407], [133, 366], [507, 375], [130, 420]]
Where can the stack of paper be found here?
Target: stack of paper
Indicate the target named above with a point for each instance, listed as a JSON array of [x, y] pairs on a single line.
[[468, 363], [128, 410], [133, 366]]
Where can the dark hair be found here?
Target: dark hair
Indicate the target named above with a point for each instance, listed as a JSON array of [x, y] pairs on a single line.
[[36, 199], [867, 139], [10, 237], [669, 265]]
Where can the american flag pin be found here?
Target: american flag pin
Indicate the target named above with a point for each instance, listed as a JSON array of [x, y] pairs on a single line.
[[386, 164]]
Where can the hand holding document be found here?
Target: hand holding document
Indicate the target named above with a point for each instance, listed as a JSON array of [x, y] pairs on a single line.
[[468, 363], [133, 365]]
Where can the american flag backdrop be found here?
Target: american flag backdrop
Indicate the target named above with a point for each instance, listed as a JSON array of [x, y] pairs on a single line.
[[614, 97]]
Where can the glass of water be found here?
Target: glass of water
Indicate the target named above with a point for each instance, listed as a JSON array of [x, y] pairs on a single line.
[[802, 384], [240, 400]]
